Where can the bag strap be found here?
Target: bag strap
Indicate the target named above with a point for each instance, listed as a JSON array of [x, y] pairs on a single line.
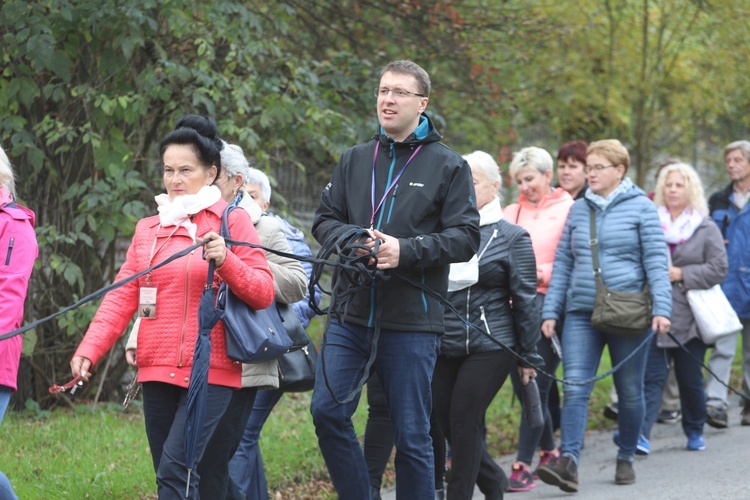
[[594, 243], [224, 233]]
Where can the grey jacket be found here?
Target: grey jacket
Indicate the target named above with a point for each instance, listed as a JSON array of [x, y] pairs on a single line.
[[703, 260]]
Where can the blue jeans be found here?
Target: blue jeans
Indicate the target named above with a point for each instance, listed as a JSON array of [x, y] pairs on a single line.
[[689, 376], [404, 364], [582, 349], [6, 490], [246, 466]]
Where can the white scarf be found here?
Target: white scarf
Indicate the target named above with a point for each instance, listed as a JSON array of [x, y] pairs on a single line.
[[491, 212], [682, 228], [177, 212]]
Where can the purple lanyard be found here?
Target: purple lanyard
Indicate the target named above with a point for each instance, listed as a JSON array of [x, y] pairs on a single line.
[[388, 189]]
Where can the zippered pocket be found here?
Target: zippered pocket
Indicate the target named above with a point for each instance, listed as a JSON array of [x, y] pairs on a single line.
[[483, 318], [10, 251]]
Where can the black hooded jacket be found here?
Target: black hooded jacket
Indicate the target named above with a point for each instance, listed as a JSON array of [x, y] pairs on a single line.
[[431, 210]]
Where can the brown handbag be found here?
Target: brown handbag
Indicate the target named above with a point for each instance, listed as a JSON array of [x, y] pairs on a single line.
[[621, 313]]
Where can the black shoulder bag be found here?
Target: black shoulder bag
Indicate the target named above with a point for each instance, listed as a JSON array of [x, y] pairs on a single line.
[[252, 335]]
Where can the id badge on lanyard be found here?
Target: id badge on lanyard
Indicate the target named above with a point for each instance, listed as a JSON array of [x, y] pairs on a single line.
[[147, 301], [148, 291]]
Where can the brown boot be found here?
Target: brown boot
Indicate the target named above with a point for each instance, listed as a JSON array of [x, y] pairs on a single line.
[[561, 472], [624, 474]]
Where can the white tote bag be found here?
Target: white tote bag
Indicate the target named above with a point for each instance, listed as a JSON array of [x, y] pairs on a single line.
[[713, 314]]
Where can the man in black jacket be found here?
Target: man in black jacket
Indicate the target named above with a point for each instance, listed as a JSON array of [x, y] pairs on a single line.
[[416, 198]]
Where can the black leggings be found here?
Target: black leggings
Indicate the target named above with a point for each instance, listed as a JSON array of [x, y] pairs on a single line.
[[462, 389], [529, 439]]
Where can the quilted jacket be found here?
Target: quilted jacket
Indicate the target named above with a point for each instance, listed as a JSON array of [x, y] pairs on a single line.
[[18, 250], [632, 251], [502, 302], [166, 343]]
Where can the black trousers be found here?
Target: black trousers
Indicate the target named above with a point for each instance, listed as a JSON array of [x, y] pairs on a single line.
[[462, 389], [214, 466]]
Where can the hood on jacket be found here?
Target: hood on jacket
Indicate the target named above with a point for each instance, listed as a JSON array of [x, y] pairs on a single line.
[[19, 212], [424, 133], [557, 196]]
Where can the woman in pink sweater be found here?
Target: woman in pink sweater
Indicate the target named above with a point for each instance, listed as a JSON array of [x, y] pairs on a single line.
[[542, 210]]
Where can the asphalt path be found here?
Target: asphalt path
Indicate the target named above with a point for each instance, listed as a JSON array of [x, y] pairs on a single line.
[[669, 472]]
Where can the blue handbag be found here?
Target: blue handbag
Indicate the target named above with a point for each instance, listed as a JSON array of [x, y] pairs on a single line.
[[252, 335]]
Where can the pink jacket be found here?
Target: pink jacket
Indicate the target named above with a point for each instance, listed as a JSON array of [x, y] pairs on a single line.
[[18, 250], [166, 343], [545, 223]]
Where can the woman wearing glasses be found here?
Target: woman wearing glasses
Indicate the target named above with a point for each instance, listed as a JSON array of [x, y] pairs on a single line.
[[632, 253]]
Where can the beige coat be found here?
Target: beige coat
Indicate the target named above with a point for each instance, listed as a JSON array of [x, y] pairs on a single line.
[[290, 283]]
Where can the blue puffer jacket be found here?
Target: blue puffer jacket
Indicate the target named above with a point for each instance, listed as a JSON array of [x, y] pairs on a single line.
[[735, 226], [631, 250]]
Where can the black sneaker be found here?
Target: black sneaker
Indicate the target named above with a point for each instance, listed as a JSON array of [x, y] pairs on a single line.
[[716, 417], [561, 472], [669, 416]]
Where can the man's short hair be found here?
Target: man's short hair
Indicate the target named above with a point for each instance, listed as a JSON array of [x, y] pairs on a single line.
[[743, 146], [406, 67]]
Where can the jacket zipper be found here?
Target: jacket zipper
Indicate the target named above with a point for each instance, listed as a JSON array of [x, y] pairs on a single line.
[[10, 250], [468, 295], [393, 202], [484, 320], [184, 317], [468, 318]]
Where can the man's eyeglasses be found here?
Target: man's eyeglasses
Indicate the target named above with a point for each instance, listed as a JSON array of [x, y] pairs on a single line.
[[397, 93], [595, 168]]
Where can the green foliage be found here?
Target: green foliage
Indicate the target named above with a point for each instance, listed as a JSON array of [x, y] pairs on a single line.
[[88, 88]]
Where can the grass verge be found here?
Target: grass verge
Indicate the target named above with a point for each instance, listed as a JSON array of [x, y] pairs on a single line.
[[100, 452]]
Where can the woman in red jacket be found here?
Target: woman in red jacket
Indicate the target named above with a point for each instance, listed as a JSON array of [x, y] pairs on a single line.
[[167, 300], [542, 210]]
